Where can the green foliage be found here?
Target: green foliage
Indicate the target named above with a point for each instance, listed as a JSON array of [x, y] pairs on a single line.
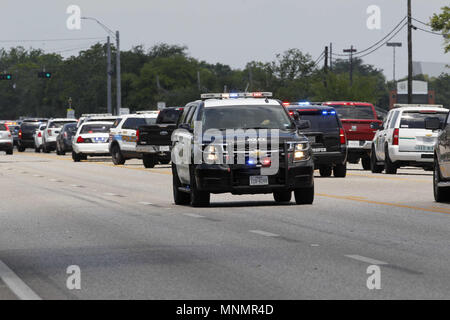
[[441, 22]]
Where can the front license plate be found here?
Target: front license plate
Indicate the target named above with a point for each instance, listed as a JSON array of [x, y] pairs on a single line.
[[319, 149], [259, 180], [424, 148], [164, 148]]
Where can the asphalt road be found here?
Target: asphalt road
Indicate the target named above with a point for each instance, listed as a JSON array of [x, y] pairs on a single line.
[[120, 227]]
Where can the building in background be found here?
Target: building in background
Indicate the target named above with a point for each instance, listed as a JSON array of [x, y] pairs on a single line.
[[432, 69], [421, 94]]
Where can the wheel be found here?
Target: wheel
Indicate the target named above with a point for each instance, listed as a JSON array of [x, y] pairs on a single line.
[[340, 170], [117, 156], [179, 197], [441, 194], [20, 148], [37, 150], [389, 166], [282, 196], [304, 195], [45, 149], [9, 152], [365, 161], [149, 160], [76, 156], [62, 153], [57, 150], [374, 167], [325, 171], [164, 161], [198, 198]]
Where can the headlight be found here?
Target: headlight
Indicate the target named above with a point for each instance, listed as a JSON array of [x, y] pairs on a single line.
[[300, 151], [211, 154]]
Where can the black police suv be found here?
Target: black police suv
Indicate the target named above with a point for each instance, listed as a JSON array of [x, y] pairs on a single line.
[[326, 136], [26, 133], [240, 143]]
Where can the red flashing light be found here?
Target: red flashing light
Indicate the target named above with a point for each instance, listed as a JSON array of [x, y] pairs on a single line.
[[286, 103], [257, 94], [266, 162]]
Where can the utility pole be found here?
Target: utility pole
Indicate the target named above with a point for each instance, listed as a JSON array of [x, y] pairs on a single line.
[[326, 59], [108, 76], [394, 45], [351, 51], [409, 53], [119, 89], [198, 81], [331, 56]]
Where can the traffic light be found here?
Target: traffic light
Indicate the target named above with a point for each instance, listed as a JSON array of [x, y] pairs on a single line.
[[45, 75], [6, 76]]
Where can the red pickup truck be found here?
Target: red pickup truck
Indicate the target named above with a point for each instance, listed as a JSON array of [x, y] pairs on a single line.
[[359, 121]]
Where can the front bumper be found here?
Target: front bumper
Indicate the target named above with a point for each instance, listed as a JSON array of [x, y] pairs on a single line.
[[411, 157], [236, 178], [91, 148]]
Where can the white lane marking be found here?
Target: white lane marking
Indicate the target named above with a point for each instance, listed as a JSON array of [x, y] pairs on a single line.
[[146, 203], [16, 285], [264, 233], [365, 259], [315, 245], [193, 215], [112, 194], [37, 175]]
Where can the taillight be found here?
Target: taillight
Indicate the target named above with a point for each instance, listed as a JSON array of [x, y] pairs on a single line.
[[65, 134], [49, 132], [80, 139], [137, 135], [39, 134], [342, 136], [20, 133], [395, 137]]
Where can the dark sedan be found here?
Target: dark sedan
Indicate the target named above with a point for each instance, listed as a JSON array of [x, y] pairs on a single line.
[[64, 138]]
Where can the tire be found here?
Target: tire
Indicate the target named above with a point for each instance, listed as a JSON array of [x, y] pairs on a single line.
[[389, 166], [45, 149], [374, 167], [117, 156], [340, 170], [365, 161], [198, 198], [57, 150], [20, 149], [76, 156], [9, 152], [164, 161], [304, 195], [149, 160], [179, 197], [325, 171], [282, 196], [441, 194], [37, 150]]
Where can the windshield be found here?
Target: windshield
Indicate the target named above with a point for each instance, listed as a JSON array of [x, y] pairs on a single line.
[[246, 117], [58, 124], [96, 128], [30, 125], [416, 120], [354, 112]]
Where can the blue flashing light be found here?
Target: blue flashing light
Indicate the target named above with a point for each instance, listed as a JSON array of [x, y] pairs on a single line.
[[234, 95], [333, 112], [324, 112], [304, 103], [251, 162]]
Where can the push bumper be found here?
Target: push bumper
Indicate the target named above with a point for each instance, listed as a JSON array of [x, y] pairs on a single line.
[[236, 178]]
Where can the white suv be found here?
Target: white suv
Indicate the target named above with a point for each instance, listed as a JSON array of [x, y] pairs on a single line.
[[6, 139], [402, 140], [51, 132], [122, 139]]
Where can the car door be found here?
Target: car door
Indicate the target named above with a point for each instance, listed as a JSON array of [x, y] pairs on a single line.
[[185, 139], [443, 152], [128, 133], [380, 137]]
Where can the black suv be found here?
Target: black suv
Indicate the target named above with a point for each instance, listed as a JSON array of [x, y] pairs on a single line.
[[242, 144], [326, 136], [26, 133]]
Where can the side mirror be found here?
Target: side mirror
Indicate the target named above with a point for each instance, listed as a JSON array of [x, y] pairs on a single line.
[[295, 116], [185, 126], [376, 126], [432, 123], [303, 124]]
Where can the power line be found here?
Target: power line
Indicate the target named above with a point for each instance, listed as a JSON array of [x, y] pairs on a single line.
[[424, 23], [319, 59], [376, 43], [50, 40], [432, 32]]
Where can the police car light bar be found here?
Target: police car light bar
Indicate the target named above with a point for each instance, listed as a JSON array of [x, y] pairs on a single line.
[[147, 112], [96, 115], [235, 95]]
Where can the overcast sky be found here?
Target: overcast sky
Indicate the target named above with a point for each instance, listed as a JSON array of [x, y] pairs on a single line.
[[232, 31]]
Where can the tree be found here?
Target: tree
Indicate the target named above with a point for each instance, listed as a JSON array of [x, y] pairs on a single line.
[[441, 22]]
